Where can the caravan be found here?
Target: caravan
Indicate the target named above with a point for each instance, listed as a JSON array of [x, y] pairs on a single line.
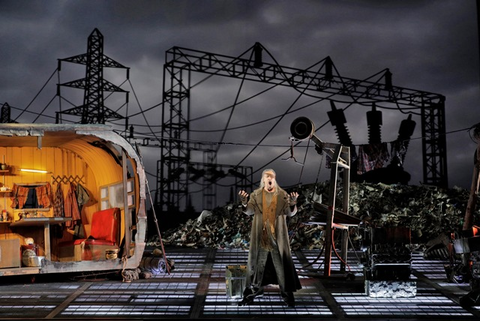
[[72, 199]]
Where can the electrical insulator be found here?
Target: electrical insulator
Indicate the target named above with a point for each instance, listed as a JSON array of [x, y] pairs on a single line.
[[407, 127], [388, 80], [328, 68], [257, 50], [374, 122], [338, 120], [5, 113], [400, 146], [131, 132]]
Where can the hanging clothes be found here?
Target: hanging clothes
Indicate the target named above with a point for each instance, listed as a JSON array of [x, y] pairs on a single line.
[[44, 195], [71, 207], [58, 202], [399, 150], [372, 156], [82, 196], [19, 198]]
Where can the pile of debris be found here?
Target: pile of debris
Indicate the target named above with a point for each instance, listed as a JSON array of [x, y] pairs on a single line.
[[427, 210], [223, 227]]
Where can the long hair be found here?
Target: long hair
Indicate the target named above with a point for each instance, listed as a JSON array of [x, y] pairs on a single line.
[[262, 183]]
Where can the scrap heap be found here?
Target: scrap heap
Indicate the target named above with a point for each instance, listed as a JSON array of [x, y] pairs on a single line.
[[428, 211]]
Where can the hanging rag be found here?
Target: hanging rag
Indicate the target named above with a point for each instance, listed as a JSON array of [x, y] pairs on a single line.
[[372, 156], [44, 195], [82, 196], [71, 207], [399, 150], [58, 202], [19, 198]]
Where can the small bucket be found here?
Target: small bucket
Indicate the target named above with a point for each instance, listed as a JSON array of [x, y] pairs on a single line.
[[235, 278]]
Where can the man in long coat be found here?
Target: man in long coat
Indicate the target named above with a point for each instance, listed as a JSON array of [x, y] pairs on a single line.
[[269, 258]]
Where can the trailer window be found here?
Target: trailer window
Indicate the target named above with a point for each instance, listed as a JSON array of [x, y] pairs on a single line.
[[112, 195]]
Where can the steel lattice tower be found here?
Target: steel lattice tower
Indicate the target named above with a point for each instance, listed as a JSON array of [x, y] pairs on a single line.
[[93, 110]]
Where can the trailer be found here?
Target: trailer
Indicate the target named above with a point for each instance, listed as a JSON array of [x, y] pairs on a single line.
[[72, 200]]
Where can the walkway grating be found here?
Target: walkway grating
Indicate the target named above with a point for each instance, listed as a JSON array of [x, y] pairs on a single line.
[[196, 289]]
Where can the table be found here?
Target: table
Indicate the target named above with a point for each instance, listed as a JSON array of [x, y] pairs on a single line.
[[46, 222]]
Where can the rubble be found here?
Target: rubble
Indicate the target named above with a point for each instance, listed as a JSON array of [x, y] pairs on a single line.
[[428, 211], [223, 227]]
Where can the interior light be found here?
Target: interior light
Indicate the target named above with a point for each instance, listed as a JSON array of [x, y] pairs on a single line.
[[34, 170]]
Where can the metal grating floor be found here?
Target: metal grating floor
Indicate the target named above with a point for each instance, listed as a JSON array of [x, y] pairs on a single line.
[[196, 289]]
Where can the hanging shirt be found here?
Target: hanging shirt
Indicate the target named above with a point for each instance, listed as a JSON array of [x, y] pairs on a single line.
[[71, 207], [82, 196], [58, 203]]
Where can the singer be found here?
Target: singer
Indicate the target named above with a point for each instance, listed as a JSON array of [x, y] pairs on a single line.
[[269, 258]]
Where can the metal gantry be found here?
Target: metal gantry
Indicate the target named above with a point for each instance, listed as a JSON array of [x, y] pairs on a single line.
[[172, 170], [181, 62]]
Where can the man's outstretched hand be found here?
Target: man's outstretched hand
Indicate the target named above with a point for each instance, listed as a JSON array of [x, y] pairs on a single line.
[[243, 197]]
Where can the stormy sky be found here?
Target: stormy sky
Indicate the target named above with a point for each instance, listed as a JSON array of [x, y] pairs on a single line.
[[427, 45]]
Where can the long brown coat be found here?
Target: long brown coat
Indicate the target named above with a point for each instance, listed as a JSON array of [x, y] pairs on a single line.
[[289, 282]]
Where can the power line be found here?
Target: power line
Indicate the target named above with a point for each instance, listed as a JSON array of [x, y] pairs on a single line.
[[35, 97]]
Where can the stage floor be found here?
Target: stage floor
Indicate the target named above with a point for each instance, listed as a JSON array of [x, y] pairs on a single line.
[[196, 289]]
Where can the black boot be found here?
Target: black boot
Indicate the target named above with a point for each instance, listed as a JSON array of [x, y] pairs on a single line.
[[249, 294], [246, 301], [289, 299]]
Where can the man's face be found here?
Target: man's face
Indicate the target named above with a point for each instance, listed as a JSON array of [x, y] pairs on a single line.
[[269, 181]]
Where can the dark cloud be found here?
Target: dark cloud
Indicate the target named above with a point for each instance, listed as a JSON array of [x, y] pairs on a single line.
[[427, 45]]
